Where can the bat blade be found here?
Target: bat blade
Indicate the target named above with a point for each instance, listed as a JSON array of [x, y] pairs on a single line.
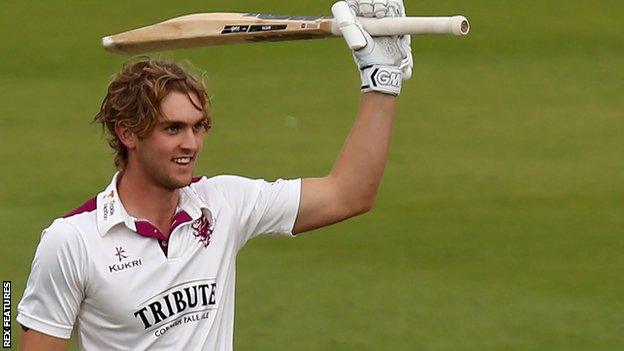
[[222, 28], [203, 29]]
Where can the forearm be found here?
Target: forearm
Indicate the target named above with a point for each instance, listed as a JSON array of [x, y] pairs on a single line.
[[34, 340], [359, 167]]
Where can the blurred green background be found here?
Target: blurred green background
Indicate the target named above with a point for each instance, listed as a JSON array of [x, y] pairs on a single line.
[[499, 223]]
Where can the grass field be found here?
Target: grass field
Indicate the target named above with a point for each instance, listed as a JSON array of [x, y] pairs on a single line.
[[500, 220]]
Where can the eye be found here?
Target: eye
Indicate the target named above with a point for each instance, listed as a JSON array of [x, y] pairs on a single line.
[[199, 127], [172, 129]]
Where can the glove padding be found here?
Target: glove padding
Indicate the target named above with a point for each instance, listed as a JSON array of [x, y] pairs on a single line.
[[383, 61]]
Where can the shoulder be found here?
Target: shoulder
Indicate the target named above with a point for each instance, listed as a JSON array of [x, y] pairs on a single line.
[[227, 185], [61, 243], [65, 231], [61, 233], [236, 184], [244, 191], [239, 193], [223, 180], [83, 219]]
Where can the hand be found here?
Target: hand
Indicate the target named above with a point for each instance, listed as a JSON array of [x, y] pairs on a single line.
[[383, 61], [388, 8]]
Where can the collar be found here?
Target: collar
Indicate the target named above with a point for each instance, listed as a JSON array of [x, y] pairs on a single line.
[[111, 212]]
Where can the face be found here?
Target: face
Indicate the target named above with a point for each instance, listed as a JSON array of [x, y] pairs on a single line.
[[167, 156]]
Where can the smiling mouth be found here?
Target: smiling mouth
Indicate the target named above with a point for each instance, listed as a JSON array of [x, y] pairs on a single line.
[[182, 160]]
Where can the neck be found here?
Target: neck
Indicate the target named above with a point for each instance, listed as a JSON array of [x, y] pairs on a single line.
[[145, 200]]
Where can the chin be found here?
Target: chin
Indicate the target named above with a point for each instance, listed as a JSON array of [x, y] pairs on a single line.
[[181, 182], [174, 182]]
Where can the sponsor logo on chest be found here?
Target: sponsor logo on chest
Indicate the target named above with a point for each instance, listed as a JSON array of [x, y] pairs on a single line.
[[184, 303], [121, 265]]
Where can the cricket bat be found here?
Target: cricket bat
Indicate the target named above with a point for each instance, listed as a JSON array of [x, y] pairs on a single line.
[[203, 29]]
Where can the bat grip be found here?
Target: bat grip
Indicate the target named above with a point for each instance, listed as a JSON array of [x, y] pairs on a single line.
[[455, 25]]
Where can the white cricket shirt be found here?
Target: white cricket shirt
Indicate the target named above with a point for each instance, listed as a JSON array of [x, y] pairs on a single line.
[[123, 286]]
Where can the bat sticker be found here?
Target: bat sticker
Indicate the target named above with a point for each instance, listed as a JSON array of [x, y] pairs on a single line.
[[229, 29]]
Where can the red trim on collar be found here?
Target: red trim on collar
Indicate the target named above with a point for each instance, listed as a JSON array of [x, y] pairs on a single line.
[[195, 180], [88, 206], [180, 218], [147, 229]]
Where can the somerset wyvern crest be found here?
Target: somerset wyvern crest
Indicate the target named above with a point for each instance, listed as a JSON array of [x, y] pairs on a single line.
[[203, 227]]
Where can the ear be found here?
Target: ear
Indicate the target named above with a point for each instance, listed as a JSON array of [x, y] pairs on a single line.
[[127, 137]]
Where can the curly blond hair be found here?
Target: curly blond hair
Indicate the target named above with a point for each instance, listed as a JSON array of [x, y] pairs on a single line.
[[134, 96]]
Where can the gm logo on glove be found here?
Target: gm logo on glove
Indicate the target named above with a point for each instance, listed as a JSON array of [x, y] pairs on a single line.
[[382, 78], [386, 76]]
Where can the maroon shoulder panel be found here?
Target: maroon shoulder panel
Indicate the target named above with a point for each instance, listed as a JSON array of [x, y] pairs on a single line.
[[88, 206]]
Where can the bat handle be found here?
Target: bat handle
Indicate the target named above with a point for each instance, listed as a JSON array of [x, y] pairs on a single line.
[[454, 25]]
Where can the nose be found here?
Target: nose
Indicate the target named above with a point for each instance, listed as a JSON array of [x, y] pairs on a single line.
[[190, 141]]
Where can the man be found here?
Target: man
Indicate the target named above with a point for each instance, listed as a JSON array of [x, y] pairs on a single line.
[[149, 263]]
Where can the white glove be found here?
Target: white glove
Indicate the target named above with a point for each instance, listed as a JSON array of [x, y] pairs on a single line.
[[383, 61], [388, 8]]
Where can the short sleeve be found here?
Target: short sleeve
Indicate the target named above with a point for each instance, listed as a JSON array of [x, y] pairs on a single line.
[[55, 287], [262, 207]]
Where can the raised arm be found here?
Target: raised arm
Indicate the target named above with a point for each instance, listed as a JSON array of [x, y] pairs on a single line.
[[351, 186]]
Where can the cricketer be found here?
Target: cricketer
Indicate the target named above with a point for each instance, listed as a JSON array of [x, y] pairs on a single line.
[[165, 239]]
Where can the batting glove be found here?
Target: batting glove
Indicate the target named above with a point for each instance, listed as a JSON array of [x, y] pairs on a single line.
[[384, 62]]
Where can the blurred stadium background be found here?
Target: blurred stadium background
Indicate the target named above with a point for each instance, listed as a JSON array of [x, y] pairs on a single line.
[[500, 219]]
